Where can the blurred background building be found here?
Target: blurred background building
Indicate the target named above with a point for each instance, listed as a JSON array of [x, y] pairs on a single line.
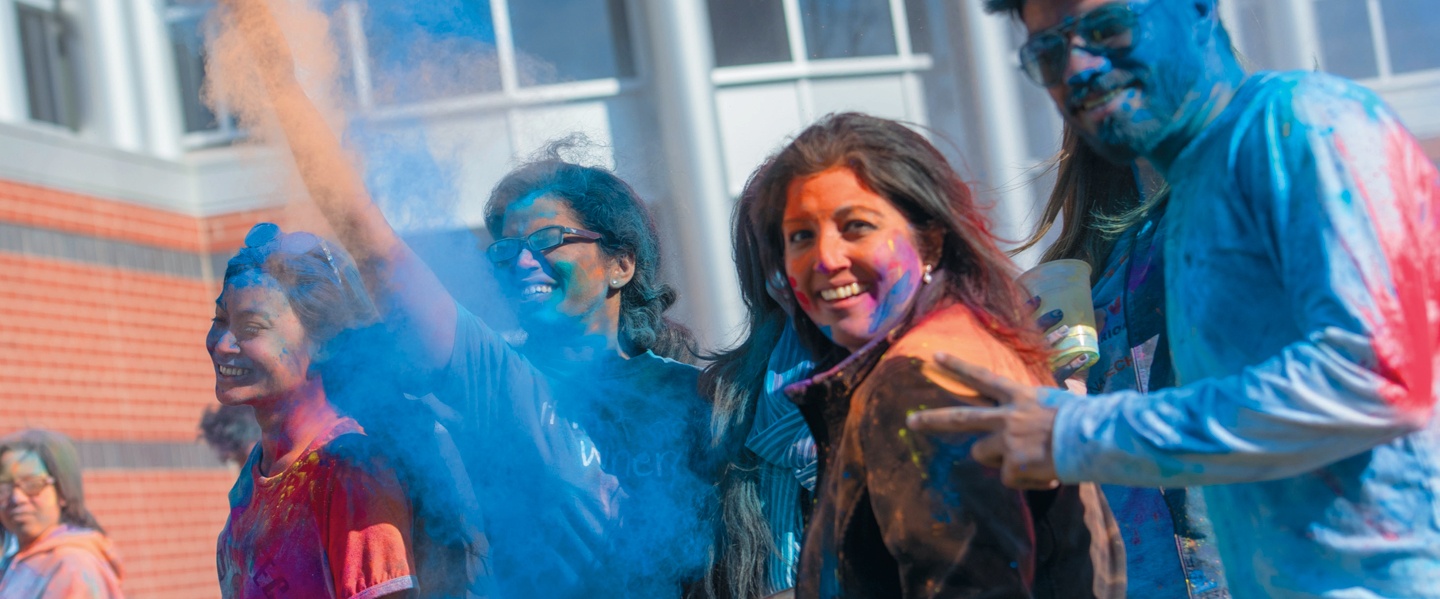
[[122, 194]]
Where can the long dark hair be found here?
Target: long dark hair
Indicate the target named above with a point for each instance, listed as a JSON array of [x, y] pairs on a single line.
[[1095, 200], [609, 206], [900, 165], [63, 463], [734, 381]]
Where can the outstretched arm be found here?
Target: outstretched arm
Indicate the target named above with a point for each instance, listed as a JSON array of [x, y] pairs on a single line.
[[1352, 199], [407, 293]]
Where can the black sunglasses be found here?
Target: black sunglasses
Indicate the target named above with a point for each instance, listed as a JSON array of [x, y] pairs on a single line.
[[1105, 31], [297, 243], [505, 250]]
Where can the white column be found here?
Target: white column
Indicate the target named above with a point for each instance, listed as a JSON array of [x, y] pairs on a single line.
[[159, 90], [115, 104], [682, 60], [1297, 31], [14, 106], [1001, 122]]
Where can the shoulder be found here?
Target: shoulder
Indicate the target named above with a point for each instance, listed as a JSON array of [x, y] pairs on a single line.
[[674, 377], [956, 331], [1295, 102], [355, 459]]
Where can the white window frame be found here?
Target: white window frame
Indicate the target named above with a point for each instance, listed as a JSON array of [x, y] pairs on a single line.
[[802, 69], [801, 66], [511, 94], [1384, 78], [63, 11], [227, 130]]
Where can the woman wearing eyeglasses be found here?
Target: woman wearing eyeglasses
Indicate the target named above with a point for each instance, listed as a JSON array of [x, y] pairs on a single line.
[[59, 550], [590, 440], [318, 510]]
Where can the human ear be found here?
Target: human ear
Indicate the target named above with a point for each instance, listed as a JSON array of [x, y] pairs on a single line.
[[622, 269], [932, 244]]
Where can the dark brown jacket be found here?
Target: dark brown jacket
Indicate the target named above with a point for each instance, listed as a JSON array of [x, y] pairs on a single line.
[[901, 514]]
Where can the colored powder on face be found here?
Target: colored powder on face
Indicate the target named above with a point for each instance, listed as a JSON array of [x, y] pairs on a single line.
[[800, 296]]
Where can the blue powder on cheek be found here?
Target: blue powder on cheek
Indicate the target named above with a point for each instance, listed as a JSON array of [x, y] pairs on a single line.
[[895, 299]]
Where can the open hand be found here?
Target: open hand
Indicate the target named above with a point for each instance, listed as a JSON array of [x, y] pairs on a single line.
[[1020, 428]]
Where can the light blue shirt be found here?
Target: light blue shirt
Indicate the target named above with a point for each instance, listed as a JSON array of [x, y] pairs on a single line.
[[1302, 271]]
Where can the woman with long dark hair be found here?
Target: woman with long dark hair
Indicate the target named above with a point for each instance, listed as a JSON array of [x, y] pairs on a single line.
[[590, 443], [1111, 217], [888, 261], [59, 550]]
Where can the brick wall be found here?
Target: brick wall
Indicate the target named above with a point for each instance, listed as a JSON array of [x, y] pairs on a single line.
[[104, 307]]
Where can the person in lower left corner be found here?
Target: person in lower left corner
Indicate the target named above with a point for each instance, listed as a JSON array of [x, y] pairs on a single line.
[[318, 510], [52, 546]]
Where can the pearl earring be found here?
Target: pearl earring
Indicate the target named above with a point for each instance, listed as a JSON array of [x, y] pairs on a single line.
[[614, 282], [927, 277]]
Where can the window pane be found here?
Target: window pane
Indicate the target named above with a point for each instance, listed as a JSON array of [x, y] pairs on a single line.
[[1411, 28], [428, 50], [847, 28], [37, 47], [571, 40], [188, 47], [748, 32], [917, 12], [1346, 46]]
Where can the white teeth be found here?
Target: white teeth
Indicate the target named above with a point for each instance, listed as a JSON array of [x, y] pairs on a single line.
[[535, 290], [841, 292], [233, 371], [1102, 99]]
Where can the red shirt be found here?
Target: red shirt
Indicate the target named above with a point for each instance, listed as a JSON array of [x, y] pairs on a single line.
[[334, 524]]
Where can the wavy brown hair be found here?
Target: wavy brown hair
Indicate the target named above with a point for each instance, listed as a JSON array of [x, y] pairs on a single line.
[[900, 165]]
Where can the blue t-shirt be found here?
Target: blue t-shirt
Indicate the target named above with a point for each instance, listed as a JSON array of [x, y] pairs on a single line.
[[596, 479], [1302, 275]]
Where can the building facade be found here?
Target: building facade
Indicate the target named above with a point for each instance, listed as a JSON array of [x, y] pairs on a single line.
[[122, 193]]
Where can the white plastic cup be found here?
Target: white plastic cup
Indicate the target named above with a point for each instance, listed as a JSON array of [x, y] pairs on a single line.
[[1065, 285]]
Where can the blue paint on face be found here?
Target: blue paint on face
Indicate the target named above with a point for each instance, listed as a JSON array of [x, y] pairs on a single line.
[[896, 301], [563, 290], [1150, 100]]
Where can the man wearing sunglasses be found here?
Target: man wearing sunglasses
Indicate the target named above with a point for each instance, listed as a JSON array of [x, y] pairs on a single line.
[[1302, 256]]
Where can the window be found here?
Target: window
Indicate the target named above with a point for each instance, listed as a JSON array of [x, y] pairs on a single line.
[[847, 28], [426, 51], [415, 52], [1367, 39], [185, 20], [572, 40], [748, 32], [47, 49]]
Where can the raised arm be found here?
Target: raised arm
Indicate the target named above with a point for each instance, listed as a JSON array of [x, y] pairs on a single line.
[[409, 296]]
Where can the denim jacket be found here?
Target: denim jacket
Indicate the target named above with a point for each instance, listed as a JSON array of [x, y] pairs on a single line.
[[1170, 550]]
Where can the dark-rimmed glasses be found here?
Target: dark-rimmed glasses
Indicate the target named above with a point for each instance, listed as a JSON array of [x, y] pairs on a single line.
[[297, 243], [29, 485], [505, 250], [1107, 31]]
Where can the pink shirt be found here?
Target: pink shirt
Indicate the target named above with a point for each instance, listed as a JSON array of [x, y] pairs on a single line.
[[65, 563]]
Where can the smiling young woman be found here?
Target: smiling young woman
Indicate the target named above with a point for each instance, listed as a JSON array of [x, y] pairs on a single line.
[[889, 261], [318, 510]]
